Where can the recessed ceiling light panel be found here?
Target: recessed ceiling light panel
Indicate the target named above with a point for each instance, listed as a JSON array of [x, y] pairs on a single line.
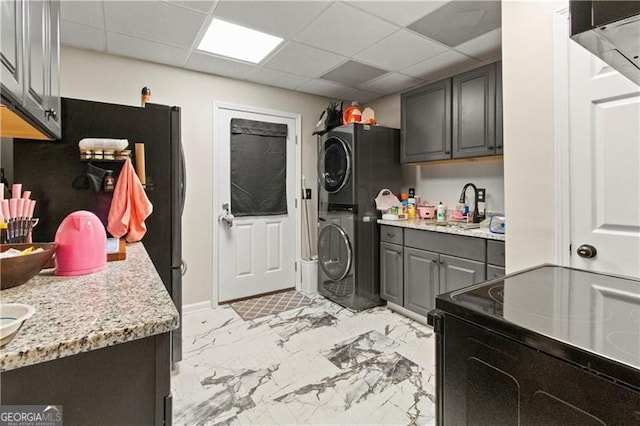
[[238, 42]]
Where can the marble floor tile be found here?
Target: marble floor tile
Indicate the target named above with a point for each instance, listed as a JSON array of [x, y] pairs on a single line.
[[318, 364]]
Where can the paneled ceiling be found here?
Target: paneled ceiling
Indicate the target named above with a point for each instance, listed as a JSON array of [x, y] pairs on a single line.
[[354, 50]]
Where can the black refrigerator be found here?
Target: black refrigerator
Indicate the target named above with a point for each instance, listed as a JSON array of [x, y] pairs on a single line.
[[49, 168]]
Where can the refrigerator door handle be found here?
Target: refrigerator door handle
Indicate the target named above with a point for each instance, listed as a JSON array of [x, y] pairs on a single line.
[[184, 267], [183, 180]]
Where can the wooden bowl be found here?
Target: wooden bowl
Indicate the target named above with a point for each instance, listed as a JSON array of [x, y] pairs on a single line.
[[17, 270]]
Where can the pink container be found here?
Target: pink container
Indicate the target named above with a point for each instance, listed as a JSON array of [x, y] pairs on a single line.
[[427, 212], [81, 244]]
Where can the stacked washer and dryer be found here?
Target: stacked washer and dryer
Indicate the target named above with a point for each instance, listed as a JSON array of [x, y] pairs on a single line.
[[354, 163]]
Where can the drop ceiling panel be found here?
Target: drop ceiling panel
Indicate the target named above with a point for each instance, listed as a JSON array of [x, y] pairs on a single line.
[[353, 73], [303, 60], [345, 30], [448, 62], [203, 6], [325, 88], [399, 12], [161, 22], [400, 50], [88, 13], [487, 46], [276, 78], [459, 21], [72, 34], [280, 18], [215, 65], [391, 83], [118, 44]]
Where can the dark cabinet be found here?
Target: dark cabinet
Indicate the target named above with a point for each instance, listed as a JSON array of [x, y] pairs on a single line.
[[459, 117], [31, 60], [457, 273], [483, 378], [426, 123], [474, 113], [391, 273], [11, 53], [420, 280], [416, 266]]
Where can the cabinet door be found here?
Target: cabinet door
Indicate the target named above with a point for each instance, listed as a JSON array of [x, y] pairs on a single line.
[[494, 272], [499, 138], [426, 123], [391, 277], [474, 109], [35, 61], [53, 82], [11, 53], [457, 273], [420, 280]]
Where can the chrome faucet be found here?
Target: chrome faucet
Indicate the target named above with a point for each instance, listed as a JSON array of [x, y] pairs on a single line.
[[477, 216]]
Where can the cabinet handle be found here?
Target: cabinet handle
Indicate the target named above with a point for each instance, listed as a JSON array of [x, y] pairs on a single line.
[[434, 260], [447, 152], [51, 113], [498, 146], [442, 262], [492, 148], [390, 235]]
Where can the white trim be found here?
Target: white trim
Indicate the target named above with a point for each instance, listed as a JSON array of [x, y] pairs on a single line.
[[562, 182], [220, 105], [192, 308], [407, 313]]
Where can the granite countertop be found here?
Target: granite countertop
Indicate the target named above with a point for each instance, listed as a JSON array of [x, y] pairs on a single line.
[[126, 301], [430, 225]]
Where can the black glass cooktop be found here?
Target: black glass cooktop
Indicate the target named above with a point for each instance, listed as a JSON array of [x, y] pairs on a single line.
[[594, 312]]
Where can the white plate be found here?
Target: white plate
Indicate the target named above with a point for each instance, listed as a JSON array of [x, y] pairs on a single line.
[[12, 315]]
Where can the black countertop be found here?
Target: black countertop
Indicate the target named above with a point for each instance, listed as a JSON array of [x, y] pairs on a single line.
[[589, 319]]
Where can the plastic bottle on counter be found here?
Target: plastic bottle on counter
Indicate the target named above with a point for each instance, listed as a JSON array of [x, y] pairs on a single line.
[[440, 213]]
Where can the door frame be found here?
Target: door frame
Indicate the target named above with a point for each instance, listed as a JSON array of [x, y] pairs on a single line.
[[218, 106], [562, 165]]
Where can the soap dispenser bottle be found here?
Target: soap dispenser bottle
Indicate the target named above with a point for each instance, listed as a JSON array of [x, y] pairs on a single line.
[[440, 213]]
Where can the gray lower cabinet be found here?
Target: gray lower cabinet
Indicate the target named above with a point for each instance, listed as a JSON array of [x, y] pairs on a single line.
[[416, 266], [391, 272], [494, 272], [421, 280], [457, 273]]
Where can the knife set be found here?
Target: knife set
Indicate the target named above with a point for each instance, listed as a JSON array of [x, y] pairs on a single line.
[[16, 215]]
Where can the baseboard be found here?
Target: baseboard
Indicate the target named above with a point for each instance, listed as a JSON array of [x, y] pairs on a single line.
[[196, 307], [407, 313]]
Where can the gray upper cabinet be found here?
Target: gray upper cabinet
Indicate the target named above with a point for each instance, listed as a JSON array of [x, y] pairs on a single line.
[[457, 273], [31, 58], [459, 117], [391, 273], [426, 123], [11, 53], [474, 113]]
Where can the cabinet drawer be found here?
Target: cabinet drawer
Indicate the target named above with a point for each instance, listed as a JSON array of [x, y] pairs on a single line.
[[391, 234], [454, 245], [495, 252]]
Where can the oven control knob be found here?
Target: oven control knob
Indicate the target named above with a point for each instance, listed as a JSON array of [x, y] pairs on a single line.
[[587, 251]]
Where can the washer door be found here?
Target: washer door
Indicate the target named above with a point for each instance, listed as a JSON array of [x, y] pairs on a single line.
[[334, 252], [334, 164]]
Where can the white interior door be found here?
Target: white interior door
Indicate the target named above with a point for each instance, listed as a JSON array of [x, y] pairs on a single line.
[[257, 254], [604, 133]]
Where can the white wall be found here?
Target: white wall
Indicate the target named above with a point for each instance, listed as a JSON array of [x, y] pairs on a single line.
[[95, 76], [437, 182], [527, 78]]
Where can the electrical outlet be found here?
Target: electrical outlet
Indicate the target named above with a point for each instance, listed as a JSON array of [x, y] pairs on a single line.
[[482, 195], [307, 193]]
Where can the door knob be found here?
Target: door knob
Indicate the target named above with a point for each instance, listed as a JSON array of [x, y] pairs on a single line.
[[226, 217], [587, 251]]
